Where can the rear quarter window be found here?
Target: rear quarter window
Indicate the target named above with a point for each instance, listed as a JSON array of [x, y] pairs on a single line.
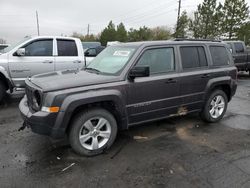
[[220, 55]]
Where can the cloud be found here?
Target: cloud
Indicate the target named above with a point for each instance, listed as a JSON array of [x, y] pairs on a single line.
[[56, 17]]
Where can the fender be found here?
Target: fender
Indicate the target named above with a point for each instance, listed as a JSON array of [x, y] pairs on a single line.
[[6, 76], [226, 80], [74, 101]]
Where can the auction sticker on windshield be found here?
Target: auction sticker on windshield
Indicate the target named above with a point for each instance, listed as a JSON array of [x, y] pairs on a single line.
[[121, 53]]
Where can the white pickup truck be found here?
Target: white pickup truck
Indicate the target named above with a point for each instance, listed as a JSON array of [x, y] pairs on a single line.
[[36, 55]]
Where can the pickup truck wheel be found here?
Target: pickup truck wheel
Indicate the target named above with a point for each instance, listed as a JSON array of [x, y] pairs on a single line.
[[92, 132], [2, 91], [215, 107]]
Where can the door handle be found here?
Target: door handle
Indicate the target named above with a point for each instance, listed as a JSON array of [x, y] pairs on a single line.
[[171, 81], [77, 61], [205, 76], [48, 61]]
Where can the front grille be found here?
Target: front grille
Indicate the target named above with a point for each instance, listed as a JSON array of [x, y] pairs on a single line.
[[29, 94]]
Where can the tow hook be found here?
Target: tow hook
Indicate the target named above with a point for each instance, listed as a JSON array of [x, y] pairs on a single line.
[[23, 126]]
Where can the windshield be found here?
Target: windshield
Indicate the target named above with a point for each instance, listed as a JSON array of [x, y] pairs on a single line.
[[13, 46], [112, 59]]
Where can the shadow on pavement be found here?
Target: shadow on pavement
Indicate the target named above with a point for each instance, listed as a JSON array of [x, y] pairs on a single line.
[[14, 98]]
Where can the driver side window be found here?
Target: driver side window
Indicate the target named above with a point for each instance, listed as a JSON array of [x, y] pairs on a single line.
[[39, 48], [160, 60]]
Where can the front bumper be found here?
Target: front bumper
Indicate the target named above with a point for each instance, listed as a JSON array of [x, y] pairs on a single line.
[[40, 122]]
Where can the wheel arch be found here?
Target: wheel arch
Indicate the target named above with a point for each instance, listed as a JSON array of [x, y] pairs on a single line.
[[222, 83], [109, 100], [5, 81]]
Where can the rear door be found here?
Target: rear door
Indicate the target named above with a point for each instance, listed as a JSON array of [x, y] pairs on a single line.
[[67, 55], [38, 59], [156, 96], [194, 77]]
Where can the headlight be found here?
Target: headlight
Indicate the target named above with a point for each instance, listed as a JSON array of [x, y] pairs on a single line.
[[36, 100]]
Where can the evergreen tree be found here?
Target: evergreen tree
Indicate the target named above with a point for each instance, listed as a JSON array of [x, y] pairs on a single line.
[[235, 14], [108, 34], [207, 20], [142, 34], [243, 33], [182, 26], [121, 33]]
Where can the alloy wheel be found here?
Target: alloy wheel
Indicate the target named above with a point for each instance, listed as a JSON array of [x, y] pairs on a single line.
[[95, 133], [217, 106]]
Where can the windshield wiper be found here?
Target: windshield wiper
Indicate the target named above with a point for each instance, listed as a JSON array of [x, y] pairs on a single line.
[[92, 69]]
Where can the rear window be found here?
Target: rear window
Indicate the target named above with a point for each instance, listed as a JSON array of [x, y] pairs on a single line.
[[219, 55], [66, 48], [193, 57]]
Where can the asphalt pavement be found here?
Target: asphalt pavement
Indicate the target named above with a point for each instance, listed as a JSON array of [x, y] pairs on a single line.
[[178, 152]]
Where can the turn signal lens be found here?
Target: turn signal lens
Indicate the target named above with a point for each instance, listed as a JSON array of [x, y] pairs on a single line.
[[53, 109]]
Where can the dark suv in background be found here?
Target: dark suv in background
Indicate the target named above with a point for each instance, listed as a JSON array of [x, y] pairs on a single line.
[[130, 84]]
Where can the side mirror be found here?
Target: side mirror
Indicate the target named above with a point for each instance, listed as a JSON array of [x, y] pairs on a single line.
[[139, 72], [20, 52], [91, 52]]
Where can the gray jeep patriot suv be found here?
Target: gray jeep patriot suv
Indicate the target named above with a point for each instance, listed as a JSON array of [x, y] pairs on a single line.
[[130, 84]]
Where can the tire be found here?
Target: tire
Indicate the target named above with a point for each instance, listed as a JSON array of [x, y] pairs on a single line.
[[213, 111], [2, 91], [94, 139]]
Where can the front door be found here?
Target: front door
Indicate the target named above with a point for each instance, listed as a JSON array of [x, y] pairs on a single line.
[[156, 96], [38, 59]]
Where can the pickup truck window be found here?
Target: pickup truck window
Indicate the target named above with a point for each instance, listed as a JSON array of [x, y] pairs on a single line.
[[219, 55], [112, 60], [39, 48], [239, 48], [193, 57], [159, 60], [66, 48]]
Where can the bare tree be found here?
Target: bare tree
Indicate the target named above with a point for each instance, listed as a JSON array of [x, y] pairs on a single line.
[[2, 41]]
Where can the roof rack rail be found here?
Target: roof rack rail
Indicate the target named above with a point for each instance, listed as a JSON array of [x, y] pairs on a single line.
[[187, 39]]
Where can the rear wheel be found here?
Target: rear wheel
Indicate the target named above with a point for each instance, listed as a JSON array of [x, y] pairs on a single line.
[[92, 132], [215, 107], [2, 91]]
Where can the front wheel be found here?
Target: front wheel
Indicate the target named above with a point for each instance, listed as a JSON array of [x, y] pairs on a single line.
[[92, 132], [215, 107]]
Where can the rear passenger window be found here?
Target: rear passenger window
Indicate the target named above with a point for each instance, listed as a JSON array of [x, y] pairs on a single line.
[[193, 57], [219, 55], [159, 60], [66, 48]]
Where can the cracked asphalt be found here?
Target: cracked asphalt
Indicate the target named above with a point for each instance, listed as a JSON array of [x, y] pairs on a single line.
[[178, 152]]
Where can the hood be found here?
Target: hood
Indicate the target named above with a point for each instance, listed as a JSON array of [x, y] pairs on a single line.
[[69, 79]]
